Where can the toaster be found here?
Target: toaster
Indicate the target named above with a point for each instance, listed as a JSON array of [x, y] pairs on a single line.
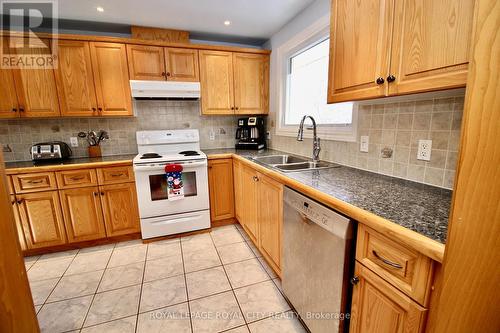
[[55, 150]]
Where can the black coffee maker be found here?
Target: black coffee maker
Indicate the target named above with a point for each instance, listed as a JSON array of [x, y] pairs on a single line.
[[251, 133]]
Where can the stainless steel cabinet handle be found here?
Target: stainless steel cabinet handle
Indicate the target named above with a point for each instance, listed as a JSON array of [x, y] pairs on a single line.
[[385, 261], [35, 181], [354, 280], [77, 178]]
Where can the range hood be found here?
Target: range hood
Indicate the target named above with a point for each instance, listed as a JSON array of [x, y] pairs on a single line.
[[164, 89]]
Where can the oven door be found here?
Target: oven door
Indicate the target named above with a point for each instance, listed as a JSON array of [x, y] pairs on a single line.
[[151, 184]]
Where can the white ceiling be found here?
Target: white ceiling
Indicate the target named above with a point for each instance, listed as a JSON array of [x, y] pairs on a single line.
[[249, 18]]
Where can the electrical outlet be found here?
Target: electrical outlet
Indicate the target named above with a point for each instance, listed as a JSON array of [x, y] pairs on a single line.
[[268, 135], [73, 141], [211, 135], [365, 141], [424, 150]]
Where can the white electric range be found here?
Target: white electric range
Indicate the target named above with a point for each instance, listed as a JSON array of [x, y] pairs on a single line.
[[159, 215]]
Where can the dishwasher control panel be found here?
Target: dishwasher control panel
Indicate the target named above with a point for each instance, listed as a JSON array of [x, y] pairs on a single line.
[[314, 212]]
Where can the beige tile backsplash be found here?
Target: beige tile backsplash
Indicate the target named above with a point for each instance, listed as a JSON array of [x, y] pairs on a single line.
[[398, 126], [150, 115]]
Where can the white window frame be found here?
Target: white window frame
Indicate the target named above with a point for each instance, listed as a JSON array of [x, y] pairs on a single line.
[[314, 33]]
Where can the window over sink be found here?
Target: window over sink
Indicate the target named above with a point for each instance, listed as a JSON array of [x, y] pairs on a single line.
[[303, 89]]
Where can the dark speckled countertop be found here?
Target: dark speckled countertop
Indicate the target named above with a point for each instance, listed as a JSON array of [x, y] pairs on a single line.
[[70, 161], [418, 207]]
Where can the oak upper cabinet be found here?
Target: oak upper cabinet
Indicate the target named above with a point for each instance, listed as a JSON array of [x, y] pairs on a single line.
[[359, 43], [251, 83], [216, 79], [109, 63], [234, 83], [378, 307], [387, 47], [121, 212], [431, 45], [146, 62], [182, 65], [220, 183], [41, 219], [75, 79], [249, 203], [270, 217], [36, 90], [9, 105], [82, 213]]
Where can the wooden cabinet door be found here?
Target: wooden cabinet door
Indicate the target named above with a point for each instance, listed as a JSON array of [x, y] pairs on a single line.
[[82, 213], [249, 203], [379, 307], [41, 219], [36, 91], [270, 217], [251, 83], [216, 79], [359, 49], [9, 106], [121, 212], [182, 65], [17, 219], [75, 80], [431, 45], [220, 183], [238, 190], [109, 63], [146, 62]]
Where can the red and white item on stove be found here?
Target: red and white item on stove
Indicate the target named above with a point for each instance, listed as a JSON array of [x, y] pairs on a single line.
[[181, 204]]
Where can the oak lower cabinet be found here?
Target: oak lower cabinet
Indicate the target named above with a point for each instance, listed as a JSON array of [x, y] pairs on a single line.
[[379, 307], [82, 213], [19, 226], [270, 218], [120, 208], [220, 184], [387, 48], [41, 219], [259, 209]]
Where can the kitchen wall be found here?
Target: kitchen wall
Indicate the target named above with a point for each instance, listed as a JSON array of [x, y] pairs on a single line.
[[150, 115], [399, 126]]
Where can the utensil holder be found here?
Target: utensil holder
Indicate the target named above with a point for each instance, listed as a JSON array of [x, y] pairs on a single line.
[[95, 151]]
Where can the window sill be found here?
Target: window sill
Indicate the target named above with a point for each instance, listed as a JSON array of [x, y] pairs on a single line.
[[323, 134]]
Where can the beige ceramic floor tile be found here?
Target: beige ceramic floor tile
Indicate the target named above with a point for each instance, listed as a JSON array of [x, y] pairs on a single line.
[[235, 252], [261, 300], [171, 319], [246, 272], [195, 261], [286, 322], [113, 304], [48, 269], [216, 313], [88, 262], [63, 316], [75, 286], [163, 268], [166, 248], [127, 255], [125, 325], [41, 289], [207, 282], [162, 293], [122, 276]]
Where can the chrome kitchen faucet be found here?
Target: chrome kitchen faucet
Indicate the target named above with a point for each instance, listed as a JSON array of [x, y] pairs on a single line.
[[316, 140]]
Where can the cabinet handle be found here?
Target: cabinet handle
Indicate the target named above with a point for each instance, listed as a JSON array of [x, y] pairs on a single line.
[[100, 109], [168, 73], [255, 178], [102, 193], [391, 78], [35, 181], [21, 109], [380, 80], [117, 174], [14, 110], [94, 109], [77, 178], [237, 108], [354, 280], [20, 201], [96, 194], [385, 261]]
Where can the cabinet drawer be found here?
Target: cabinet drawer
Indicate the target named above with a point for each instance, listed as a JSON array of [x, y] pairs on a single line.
[[406, 269], [76, 178], [34, 182], [115, 175]]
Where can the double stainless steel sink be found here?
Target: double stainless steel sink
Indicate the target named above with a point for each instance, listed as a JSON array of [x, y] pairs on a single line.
[[290, 163]]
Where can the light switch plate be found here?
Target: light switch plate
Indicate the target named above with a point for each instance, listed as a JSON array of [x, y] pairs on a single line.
[[73, 141], [424, 150], [365, 140]]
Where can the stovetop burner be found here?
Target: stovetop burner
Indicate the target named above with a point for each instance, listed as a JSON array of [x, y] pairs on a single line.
[[189, 153], [150, 155]]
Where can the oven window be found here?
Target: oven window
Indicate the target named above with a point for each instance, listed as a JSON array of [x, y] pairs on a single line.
[[158, 185]]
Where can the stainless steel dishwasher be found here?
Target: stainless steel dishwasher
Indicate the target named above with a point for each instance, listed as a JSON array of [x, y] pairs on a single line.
[[316, 262]]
